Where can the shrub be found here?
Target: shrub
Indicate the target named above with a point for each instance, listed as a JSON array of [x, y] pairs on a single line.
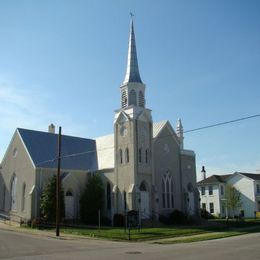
[[164, 219], [178, 217], [92, 200], [119, 220], [205, 214], [48, 201]]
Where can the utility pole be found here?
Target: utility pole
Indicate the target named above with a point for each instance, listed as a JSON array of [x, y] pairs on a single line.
[[58, 186]]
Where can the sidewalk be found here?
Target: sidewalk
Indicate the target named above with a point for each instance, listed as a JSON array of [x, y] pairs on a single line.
[[16, 228]]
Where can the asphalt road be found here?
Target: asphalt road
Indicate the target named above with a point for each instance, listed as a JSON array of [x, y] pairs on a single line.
[[15, 245]]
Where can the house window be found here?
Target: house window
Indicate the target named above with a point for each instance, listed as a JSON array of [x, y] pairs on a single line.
[[222, 190], [140, 155], [202, 190], [211, 208], [167, 191], [223, 208], [120, 156], [258, 188], [203, 206], [127, 155], [210, 190], [108, 196]]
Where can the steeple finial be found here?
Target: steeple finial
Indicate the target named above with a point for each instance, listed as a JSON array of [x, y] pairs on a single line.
[[132, 70]]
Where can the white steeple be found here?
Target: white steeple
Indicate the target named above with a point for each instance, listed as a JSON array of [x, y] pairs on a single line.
[[132, 70], [132, 89], [179, 132]]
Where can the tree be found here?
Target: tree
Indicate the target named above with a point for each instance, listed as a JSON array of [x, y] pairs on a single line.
[[48, 201], [92, 200], [233, 199]]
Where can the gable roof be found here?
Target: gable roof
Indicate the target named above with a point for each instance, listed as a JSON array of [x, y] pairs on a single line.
[[42, 148], [215, 179], [157, 127], [253, 176]]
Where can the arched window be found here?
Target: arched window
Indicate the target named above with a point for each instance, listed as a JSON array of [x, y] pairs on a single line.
[[163, 194], [132, 99], [120, 156], [125, 204], [143, 186], [140, 155], [23, 197], [124, 99], [167, 191], [108, 196], [69, 193], [127, 155], [13, 192], [146, 156], [141, 99]]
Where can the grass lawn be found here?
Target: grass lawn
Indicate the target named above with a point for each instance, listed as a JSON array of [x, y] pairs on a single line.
[[173, 234], [212, 229], [135, 235]]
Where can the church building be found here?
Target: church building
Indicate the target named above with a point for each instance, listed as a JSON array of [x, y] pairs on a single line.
[[143, 164]]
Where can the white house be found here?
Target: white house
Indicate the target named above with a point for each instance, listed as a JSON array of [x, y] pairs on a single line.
[[212, 193]]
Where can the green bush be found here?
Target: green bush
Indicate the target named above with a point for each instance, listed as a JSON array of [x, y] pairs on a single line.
[[92, 200], [205, 214], [119, 220], [178, 217], [48, 201]]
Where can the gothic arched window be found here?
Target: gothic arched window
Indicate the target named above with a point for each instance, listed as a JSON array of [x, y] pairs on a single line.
[[132, 99], [120, 156], [167, 191], [143, 186], [141, 99], [125, 203], [23, 197], [140, 155], [146, 156], [127, 155], [13, 192]]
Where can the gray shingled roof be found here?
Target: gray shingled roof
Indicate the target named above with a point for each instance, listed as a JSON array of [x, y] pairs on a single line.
[[42, 146], [253, 176], [215, 179]]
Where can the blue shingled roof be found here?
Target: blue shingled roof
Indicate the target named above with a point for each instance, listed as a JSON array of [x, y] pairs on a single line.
[[42, 146]]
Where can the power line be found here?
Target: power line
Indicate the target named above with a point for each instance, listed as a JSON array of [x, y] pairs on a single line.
[[160, 137], [222, 123]]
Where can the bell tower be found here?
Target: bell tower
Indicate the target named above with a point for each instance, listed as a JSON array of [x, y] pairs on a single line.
[[133, 139]]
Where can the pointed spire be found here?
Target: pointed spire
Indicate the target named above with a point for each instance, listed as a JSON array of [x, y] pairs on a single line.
[[132, 71], [179, 132]]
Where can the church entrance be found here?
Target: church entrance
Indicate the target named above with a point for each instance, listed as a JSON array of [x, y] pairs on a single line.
[[69, 205], [145, 201]]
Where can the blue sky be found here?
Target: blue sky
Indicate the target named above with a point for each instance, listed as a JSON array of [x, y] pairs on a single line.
[[62, 62]]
